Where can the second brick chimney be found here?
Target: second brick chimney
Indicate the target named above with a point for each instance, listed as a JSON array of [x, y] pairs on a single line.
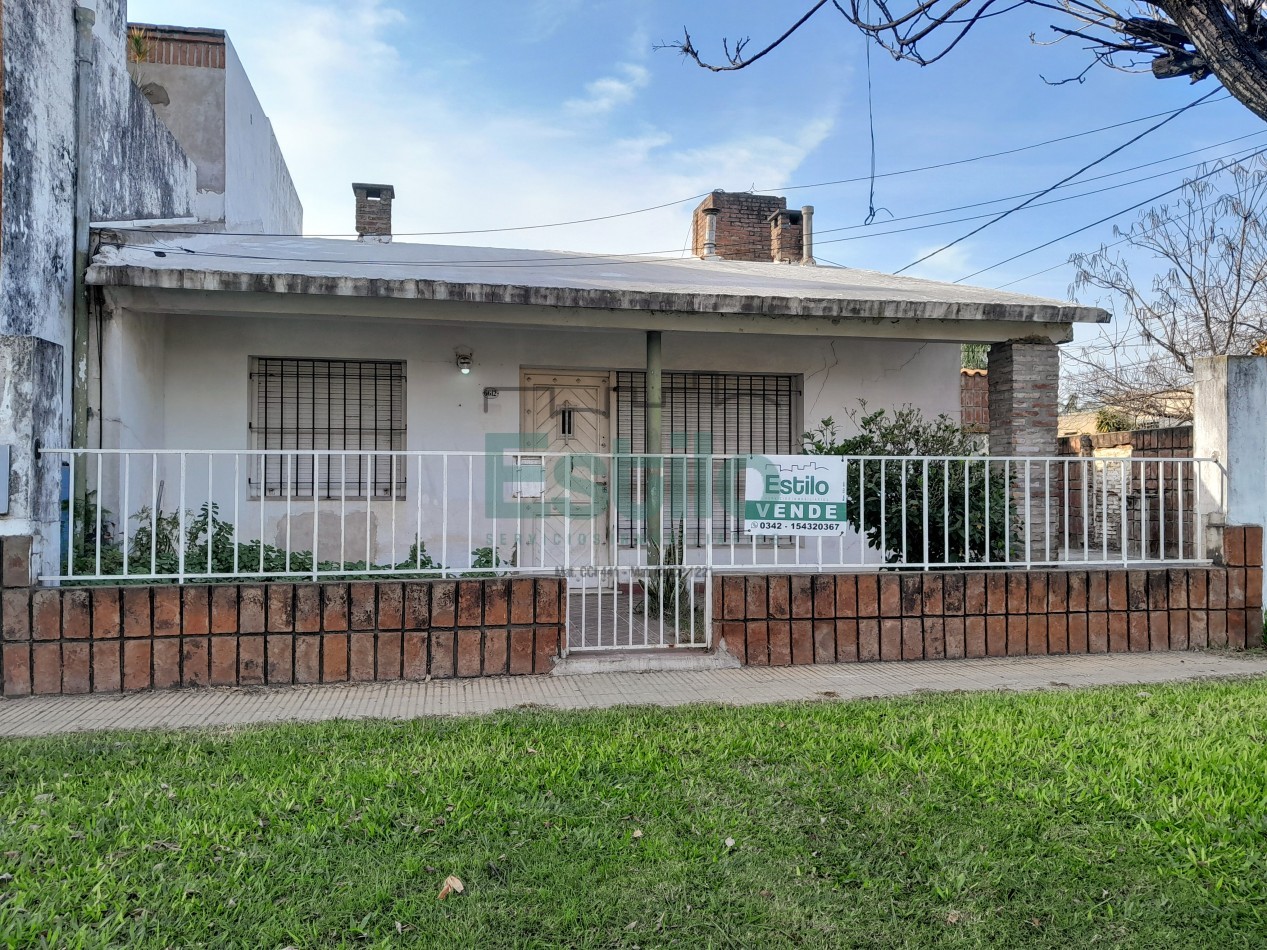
[[374, 212]]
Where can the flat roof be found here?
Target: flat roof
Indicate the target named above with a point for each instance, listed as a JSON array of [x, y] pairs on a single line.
[[325, 267]]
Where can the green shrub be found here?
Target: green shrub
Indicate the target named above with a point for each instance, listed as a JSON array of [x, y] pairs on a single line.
[[902, 496]]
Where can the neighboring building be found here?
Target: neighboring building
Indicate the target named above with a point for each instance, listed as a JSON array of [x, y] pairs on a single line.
[[81, 144], [198, 87]]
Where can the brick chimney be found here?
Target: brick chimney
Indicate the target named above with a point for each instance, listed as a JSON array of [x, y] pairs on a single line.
[[374, 212], [786, 237], [744, 226]]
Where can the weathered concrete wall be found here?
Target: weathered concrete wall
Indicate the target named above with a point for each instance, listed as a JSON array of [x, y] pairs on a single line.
[[190, 101], [30, 416], [35, 271], [130, 398], [137, 170], [259, 195], [1229, 393]]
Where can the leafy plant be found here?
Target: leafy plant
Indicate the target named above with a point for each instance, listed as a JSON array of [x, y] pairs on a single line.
[[210, 553], [484, 561], [669, 585], [1108, 419], [917, 506]]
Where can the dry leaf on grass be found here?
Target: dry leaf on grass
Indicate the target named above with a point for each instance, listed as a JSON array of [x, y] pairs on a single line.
[[452, 885], [637, 833]]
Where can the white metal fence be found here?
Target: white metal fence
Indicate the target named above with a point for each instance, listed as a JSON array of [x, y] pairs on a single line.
[[637, 578]]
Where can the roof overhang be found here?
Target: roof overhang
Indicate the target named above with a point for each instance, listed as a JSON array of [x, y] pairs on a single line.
[[335, 278]]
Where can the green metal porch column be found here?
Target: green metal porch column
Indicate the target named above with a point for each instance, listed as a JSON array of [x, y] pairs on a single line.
[[654, 446]]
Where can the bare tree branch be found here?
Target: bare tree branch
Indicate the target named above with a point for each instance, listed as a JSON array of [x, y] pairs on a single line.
[[1208, 297], [1226, 39]]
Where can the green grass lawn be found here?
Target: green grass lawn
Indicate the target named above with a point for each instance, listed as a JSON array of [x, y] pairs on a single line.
[[1121, 817]]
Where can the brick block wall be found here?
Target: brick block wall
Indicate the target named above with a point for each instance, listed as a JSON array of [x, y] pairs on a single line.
[[182, 47], [111, 639], [1136, 460], [781, 619]]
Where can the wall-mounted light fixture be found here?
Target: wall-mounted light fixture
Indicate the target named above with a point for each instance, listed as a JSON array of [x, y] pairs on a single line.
[[464, 362]]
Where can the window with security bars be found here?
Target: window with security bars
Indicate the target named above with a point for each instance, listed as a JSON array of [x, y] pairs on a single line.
[[354, 406], [702, 414]]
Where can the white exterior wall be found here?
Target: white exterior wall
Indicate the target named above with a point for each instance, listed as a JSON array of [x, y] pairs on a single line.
[[203, 402], [259, 196]]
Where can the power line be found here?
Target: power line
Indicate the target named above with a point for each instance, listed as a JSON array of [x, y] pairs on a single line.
[[1102, 158], [555, 260], [560, 260], [1110, 217], [1114, 174], [670, 204]]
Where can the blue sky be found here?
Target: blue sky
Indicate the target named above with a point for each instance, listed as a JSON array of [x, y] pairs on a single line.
[[492, 113]]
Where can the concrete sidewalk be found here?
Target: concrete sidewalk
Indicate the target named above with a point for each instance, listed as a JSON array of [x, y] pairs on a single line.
[[178, 709]]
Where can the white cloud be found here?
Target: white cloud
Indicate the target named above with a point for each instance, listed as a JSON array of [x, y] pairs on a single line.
[[347, 106], [604, 95], [949, 265]]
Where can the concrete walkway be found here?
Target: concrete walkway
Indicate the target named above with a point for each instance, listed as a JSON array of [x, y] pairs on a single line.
[[746, 686]]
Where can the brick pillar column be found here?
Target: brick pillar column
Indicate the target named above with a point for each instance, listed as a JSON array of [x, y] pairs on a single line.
[[1024, 386]]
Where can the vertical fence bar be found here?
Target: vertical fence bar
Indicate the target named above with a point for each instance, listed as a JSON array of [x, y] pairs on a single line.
[[1064, 501], [123, 510], [237, 493], [1126, 480], [1161, 511], [180, 541], [1178, 503], [316, 514], [211, 520], [371, 475], [289, 489], [1087, 474], [967, 515], [1143, 510], [1198, 529], [418, 518], [925, 513], [343, 509], [1007, 511], [470, 506], [444, 512], [1047, 510], [1029, 517], [884, 520], [987, 553], [945, 511], [75, 519], [100, 507], [906, 554]]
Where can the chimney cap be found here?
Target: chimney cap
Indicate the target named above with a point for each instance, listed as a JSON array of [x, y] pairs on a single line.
[[384, 191]]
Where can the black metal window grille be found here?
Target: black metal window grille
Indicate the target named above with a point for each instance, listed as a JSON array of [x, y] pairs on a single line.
[[702, 414], [352, 405]]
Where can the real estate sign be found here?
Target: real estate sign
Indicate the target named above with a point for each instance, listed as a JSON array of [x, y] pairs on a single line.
[[794, 495]]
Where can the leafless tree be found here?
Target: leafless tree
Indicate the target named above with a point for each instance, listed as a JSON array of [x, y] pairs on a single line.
[[1207, 296], [1195, 38]]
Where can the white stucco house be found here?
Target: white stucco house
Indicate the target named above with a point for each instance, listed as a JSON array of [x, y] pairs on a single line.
[[242, 344]]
